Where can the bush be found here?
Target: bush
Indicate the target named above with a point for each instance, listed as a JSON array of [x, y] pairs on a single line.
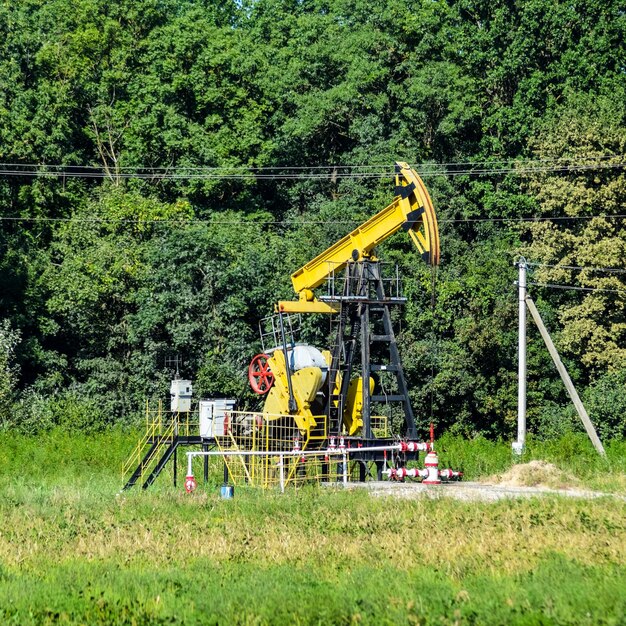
[[605, 402], [554, 420], [35, 413], [9, 339]]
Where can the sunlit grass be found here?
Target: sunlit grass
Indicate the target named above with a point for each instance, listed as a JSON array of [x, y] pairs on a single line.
[[74, 551]]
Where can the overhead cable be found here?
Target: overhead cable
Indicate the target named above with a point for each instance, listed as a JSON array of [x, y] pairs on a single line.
[[609, 270], [283, 173], [576, 287], [182, 220], [571, 160]]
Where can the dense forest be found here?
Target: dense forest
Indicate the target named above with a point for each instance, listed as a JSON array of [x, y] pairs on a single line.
[[167, 164]]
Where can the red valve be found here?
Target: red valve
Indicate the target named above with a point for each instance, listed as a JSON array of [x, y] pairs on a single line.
[[190, 484], [259, 374]]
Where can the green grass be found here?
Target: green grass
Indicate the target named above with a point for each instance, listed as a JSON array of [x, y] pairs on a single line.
[[73, 551], [572, 453]]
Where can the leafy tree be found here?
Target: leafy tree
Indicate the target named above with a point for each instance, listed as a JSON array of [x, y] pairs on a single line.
[[95, 269], [9, 338], [589, 128], [207, 287], [169, 86]]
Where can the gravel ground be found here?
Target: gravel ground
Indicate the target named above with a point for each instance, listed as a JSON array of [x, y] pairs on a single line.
[[471, 491]]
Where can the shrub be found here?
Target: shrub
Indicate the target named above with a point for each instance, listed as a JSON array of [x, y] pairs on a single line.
[[9, 339], [605, 402], [35, 413]]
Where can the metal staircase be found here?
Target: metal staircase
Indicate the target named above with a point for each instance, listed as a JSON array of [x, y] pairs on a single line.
[[165, 432]]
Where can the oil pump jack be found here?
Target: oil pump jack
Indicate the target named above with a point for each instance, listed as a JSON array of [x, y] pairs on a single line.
[[333, 391], [319, 402]]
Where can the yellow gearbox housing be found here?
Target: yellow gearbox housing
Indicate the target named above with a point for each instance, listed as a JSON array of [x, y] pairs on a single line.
[[306, 383]]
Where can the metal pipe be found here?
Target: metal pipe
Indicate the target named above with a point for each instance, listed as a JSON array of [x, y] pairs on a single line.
[[293, 407], [400, 473], [342, 452], [329, 451]]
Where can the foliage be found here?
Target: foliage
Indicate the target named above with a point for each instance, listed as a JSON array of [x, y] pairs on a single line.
[[605, 400], [36, 413], [593, 128], [104, 279], [9, 338]]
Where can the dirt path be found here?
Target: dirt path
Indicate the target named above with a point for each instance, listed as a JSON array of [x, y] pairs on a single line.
[[471, 491]]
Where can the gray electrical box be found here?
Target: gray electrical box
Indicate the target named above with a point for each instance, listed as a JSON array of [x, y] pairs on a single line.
[[215, 417], [180, 395]]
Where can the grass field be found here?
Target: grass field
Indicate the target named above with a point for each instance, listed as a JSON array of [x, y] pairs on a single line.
[[73, 551]]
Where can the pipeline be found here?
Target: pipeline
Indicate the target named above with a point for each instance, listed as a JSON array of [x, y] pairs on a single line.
[[430, 475], [331, 451], [400, 473]]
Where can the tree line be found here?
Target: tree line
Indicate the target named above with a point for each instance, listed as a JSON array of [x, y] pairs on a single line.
[[194, 140]]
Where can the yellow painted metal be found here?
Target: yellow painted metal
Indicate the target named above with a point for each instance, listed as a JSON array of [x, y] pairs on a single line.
[[328, 357], [380, 425], [271, 434], [415, 211], [161, 427], [305, 384], [425, 235], [353, 411], [299, 306]]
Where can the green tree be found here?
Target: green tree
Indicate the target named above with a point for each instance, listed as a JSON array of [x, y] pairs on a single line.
[[9, 338], [590, 129], [96, 267]]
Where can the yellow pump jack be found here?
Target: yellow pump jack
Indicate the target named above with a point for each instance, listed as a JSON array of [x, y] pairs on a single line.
[[298, 391], [306, 383]]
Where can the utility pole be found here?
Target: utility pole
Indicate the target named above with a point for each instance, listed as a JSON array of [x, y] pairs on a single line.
[[524, 300], [518, 446], [567, 381]]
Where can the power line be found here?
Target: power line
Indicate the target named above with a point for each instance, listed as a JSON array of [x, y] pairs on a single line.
[[181, 220], [576, 288], [104, 220], [533, 219], [285, 173], [331, 166], [610, 270]]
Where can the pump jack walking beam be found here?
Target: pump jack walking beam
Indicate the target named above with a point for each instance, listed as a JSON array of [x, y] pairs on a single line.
[[411, 210]]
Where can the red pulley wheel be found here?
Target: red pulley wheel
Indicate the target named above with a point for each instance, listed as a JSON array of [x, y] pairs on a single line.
[[259, 374]]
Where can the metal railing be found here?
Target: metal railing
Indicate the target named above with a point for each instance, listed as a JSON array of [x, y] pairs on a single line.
[[266, 437], [290, 467], [161, 428]]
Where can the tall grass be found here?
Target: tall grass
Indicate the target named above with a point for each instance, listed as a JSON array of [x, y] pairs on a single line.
[[572, 452], [73, 551]]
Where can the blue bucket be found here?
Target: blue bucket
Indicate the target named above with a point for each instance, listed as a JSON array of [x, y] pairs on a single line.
[[227, 491]]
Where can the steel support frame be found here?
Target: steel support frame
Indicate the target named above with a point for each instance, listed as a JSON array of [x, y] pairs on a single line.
[[364, 280]]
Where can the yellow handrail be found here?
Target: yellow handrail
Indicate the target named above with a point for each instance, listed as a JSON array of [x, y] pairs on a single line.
[[159, 430]]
